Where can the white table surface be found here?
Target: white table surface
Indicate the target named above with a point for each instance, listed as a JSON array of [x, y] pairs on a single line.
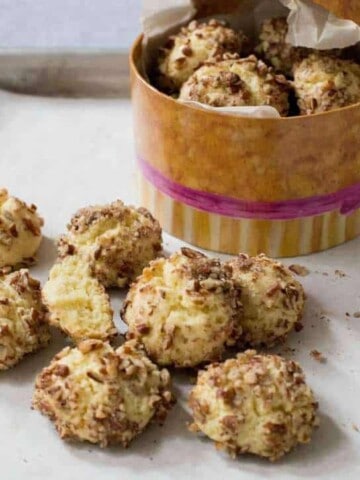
[[64, 154]]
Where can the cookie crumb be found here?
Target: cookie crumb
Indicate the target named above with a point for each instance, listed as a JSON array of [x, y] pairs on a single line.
[[299, 270], [318, 356], [340, 273], [289, 351]]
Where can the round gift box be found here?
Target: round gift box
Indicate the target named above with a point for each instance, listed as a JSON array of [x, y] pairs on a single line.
[[282, 186]]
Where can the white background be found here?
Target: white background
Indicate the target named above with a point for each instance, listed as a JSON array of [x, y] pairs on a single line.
[[68, 23]]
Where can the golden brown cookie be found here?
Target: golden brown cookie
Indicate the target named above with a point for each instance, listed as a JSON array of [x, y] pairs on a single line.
[[195, 44], [20, 231], [23, 328], [235, 82], [273, 300], [254, 403], [274, 49], [184, 309], [325, 83], [116, 240], [100, 395], [77, 302]]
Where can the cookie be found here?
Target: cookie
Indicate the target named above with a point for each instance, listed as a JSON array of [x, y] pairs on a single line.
[[77, 302], [254, 403], [116, 240], [100, 395], [237, 82], [184, 309], [273, 300], [275, 50], [23, 328], [195, 44], [326, 83], [20, 231]]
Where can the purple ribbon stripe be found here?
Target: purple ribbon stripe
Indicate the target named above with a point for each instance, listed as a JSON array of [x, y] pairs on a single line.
[[346, 200]]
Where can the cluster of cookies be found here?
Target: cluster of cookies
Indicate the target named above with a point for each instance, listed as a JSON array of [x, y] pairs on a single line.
[[184, 311], [188, 309], [210, 63], [92, 391]]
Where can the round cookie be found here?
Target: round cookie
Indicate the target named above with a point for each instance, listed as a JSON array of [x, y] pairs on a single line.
[[118, 241], [104, 396], [20, 231], [274, 49], [235, 82], [195, 44], [23, 328], [325, 83], [273, 300], [184, 309], [77, 302], [257, 404]]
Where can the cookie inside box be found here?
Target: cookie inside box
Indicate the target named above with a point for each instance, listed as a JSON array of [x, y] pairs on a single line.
[[242, 54]]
